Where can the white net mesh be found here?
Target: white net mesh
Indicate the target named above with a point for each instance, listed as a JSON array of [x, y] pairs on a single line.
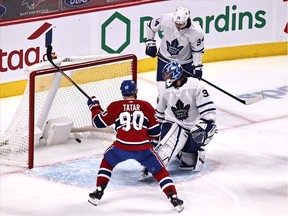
[[56, 97]]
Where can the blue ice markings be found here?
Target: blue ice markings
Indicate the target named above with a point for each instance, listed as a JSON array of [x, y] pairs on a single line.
[[278, 93], [83, 172]]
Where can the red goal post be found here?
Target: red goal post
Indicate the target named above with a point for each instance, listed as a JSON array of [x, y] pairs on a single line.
[[52, 107]]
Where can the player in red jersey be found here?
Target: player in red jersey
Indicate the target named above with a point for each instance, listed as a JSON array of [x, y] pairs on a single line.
[[136, 125]]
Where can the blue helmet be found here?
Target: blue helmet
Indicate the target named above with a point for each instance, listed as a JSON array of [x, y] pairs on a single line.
[[172, 72], [128, 87]]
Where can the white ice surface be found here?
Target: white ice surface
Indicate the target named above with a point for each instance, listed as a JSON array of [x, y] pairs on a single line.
[[249, 157]]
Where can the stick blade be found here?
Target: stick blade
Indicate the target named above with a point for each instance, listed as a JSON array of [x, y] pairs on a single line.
[[254, 100]]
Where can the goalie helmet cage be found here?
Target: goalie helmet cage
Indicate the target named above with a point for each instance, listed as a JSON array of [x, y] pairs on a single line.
[[49, 95]]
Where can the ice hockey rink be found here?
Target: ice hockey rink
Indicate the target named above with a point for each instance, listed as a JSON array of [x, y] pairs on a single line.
[[245, 172]]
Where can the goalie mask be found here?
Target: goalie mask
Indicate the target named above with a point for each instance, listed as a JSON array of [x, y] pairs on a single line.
[[181, 16], [128, 87], [172, 72]]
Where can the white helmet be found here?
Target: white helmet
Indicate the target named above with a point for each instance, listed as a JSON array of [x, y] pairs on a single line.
[[181, 15]]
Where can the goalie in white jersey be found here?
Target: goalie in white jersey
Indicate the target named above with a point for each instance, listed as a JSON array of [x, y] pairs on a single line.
[[188, 116], [183, 42]]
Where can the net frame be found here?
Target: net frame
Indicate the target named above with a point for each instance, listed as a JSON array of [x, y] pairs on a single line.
[[108, 59]]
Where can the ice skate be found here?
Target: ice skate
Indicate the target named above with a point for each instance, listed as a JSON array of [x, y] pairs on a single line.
[[144, 174], [95, 196], [175, 201]]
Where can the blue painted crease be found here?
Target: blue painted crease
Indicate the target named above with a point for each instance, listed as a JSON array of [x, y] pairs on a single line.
[[82, 173]]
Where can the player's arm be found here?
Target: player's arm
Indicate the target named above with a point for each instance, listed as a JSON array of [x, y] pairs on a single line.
[[205, 104], [204, 129], [100, 119], [154, 128], [197, 47], [94, 106], [161, 105], [152, 27], [153, 124]]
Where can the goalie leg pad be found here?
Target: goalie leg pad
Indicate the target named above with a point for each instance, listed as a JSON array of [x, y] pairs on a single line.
[[200, 160], [192, 161], [171, 144]]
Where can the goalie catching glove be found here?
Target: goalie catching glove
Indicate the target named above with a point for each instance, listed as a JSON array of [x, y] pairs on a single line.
[[203, 132], [151, 49], [94, 104]]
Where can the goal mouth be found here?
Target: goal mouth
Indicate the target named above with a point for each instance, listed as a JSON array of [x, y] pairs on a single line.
[[49, 97]]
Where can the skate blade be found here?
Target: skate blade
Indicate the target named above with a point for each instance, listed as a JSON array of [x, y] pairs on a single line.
[[179, 208], [93, 201]]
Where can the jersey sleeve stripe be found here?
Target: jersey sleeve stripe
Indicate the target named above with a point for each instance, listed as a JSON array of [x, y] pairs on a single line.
[[154, 131], [158, 112], [98, 122], [205, 104], [160, 115], [207, 110]]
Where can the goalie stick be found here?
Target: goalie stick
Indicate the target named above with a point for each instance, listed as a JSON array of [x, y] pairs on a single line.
[[246, 102], [49, 57]]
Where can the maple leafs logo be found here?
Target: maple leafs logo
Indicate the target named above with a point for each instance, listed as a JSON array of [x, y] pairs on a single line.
[[181, 111], [173, 48]]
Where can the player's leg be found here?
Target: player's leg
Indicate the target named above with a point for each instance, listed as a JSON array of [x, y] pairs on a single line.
[[103, 177], [109, 161], [188, 67], [160, 65], [172, 140], [151, 160]]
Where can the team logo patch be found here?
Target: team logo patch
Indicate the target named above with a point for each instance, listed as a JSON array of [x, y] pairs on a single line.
[[173, 48], [181, 111]]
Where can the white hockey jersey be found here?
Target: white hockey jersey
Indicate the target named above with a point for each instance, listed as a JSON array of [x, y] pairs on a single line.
[[185, 105], [178, 45]]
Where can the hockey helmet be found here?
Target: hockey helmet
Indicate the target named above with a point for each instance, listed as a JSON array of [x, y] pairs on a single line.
[[181, 16], [128, 87], [172, 72]]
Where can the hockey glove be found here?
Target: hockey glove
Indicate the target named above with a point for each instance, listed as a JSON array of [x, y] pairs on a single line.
[[203, 132], [151, 49], [93, 104], [197, 71]]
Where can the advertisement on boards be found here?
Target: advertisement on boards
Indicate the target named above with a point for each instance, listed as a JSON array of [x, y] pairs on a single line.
[[15, 9], [225, 24], [76, 4]]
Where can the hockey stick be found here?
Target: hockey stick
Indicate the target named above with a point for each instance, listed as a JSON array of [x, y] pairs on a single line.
[[246, 102], [49, 57]]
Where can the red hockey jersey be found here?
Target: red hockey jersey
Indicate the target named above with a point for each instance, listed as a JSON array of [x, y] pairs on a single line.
[[135, 123]]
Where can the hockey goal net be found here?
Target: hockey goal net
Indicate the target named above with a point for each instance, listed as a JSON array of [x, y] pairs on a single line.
[[51, 105]]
